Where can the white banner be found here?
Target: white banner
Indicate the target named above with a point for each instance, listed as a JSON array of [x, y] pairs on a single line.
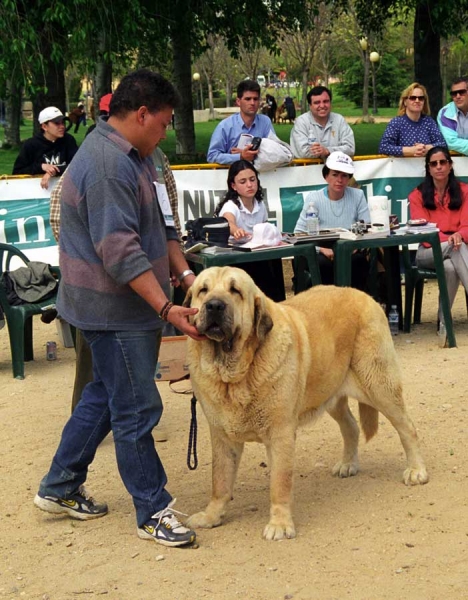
[[24, 205]]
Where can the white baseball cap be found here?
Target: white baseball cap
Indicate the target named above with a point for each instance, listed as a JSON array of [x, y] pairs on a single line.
[[50, 114], [264, 234], [339, 161]]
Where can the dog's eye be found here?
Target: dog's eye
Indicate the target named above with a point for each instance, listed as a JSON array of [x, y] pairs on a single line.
[[202, 290], [234, 290]]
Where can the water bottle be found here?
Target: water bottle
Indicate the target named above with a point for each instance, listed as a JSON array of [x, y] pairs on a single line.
[[312, 220], [393, 320], [311, 138]]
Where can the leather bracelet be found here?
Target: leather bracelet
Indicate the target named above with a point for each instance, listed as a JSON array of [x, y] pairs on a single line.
[[184, 274], [165, 310]]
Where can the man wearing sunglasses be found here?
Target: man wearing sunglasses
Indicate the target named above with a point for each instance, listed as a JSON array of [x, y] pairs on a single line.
[[50, 151], [453, 118]]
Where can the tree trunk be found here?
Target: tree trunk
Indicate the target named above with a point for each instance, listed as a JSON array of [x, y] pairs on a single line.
[[305, 89], [182, 55], [210, 99], [427, 55], [103, 76], [365, 89], [53, 80], [228, 93], [12, 115]]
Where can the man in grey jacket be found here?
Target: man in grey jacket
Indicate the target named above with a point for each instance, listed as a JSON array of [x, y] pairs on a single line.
[[319, 132]]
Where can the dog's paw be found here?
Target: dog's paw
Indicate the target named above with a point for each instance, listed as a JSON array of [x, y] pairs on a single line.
[[345, 469], [415, 476], [278, 531], [203, 520]]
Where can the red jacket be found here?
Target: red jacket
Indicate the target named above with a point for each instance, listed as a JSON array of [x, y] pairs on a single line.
[[448, 221]]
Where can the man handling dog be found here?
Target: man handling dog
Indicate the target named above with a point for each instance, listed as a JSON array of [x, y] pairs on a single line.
[[118, 245]]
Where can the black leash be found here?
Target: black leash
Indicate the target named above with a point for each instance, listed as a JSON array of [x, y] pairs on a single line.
[[192, 443]]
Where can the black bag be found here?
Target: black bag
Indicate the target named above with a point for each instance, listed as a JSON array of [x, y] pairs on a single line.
[[213, 231]]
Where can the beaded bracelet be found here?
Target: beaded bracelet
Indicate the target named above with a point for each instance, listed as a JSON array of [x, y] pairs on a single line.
[[165, 310]]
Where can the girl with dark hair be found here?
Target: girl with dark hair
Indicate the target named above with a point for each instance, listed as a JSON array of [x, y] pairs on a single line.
[[442, 199], [243, 207]]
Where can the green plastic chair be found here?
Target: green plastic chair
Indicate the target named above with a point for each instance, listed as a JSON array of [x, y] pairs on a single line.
[[414, 289], [19, 318]]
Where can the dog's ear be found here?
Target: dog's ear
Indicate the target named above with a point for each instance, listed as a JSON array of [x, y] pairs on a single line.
[[263, 323], [188, 298]]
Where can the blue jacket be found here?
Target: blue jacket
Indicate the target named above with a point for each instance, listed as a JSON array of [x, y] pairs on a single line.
[[447, 121]]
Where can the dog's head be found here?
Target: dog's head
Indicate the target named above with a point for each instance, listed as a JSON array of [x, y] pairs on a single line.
[[231, 308]]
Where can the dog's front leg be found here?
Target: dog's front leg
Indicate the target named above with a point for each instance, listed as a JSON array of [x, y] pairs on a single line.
[[281, 457], [226, 459]]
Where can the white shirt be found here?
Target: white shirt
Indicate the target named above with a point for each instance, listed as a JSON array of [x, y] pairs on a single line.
[[244, 218]]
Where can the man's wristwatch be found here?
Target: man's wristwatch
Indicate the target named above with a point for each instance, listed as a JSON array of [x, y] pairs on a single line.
[[184, 274]]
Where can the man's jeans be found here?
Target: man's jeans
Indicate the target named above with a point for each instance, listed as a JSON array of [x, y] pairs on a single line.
[[123, 398]]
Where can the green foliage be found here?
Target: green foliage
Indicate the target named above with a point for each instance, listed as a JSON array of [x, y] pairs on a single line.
[[447, 18], [74, 91], [392, 77]]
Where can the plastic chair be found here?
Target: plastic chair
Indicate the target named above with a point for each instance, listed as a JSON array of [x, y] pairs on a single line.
[[19, 318], [414, 289]]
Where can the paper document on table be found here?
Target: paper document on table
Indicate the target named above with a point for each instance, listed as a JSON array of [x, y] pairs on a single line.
[[409, 229]]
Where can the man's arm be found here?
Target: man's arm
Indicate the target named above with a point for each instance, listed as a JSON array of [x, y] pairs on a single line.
[[146, 285], [218, 152], [454, 142], [55, 208], [24, 163], [171, 189], [346, 142], [300, 138]]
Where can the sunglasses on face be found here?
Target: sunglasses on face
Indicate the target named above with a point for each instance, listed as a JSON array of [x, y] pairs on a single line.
[[442, 162], [454, 93], [414, 98]]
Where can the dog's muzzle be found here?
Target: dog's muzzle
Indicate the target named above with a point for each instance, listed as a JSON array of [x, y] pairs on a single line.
[[215, 322]]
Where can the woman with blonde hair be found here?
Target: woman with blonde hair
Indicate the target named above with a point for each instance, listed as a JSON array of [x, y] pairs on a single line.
[[413, 132]]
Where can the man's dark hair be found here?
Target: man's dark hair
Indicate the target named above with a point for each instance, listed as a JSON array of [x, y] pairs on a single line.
[[463, 79], [143, 88], [318, 91], [248, 85]]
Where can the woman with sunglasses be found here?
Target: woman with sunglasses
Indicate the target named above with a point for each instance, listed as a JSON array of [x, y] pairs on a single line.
[[442, 199], [413, 132]]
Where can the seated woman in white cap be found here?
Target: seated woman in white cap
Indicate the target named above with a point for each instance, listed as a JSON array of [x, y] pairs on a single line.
[[50, 151], [338, 205]]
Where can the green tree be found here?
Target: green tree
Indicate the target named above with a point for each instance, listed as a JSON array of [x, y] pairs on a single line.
[[391, 79], [432, 20], [186, 23]]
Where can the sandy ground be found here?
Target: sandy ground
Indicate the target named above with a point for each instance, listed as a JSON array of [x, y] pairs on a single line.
[[367, 537]]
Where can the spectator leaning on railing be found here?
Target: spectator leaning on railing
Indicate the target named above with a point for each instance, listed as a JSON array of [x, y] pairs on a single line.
[[318, 132], [413, 132], [453, 117]]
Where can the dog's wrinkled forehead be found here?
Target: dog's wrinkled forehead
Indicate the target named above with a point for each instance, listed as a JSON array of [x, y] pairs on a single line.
[[223, 280]]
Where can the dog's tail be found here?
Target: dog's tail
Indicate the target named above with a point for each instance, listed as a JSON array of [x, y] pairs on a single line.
[[369, 419]]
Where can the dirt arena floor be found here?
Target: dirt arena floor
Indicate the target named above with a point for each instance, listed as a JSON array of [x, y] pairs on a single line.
[[368, 537]]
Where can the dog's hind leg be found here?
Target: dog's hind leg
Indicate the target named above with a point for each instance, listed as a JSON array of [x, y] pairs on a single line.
[[226, 459], [385, 394], [349, 463]]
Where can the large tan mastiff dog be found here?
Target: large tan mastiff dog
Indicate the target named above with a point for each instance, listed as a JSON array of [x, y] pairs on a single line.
[[266, 367]]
